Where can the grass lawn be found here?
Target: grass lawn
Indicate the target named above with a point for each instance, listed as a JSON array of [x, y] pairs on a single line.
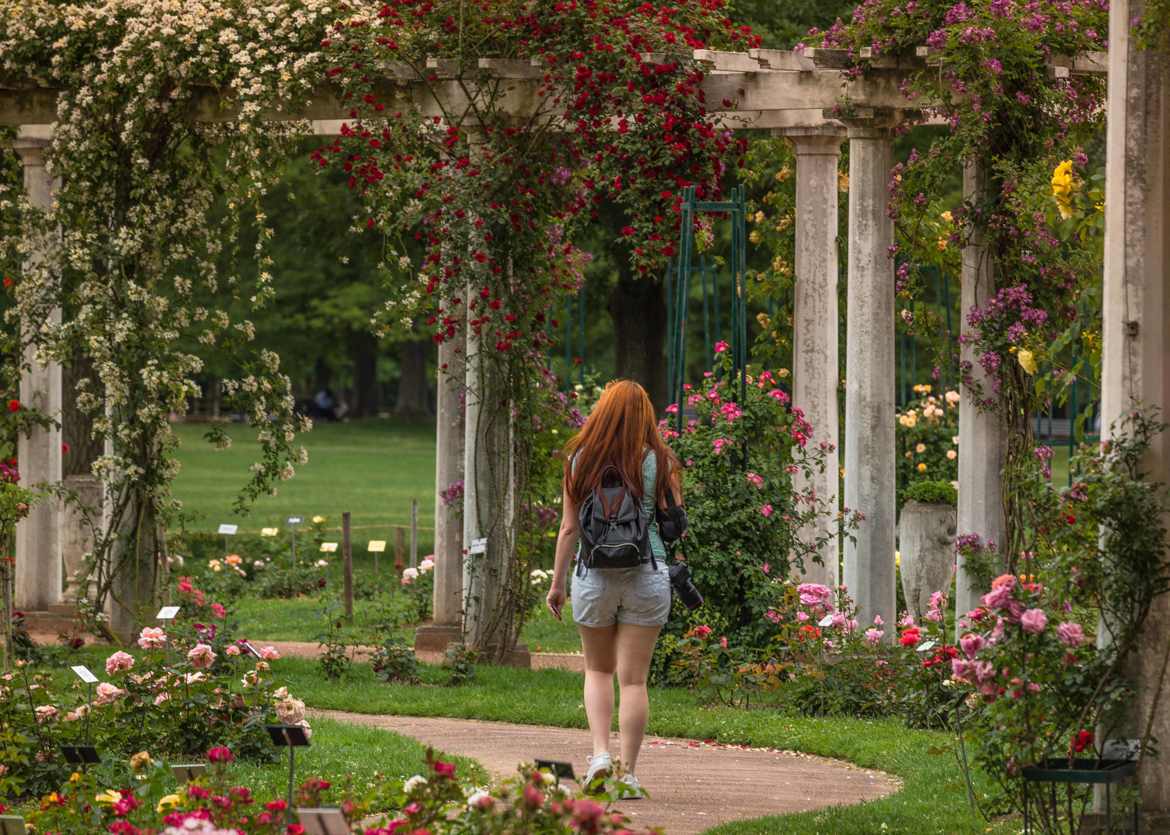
[[933, 798], [372, 468], [300, 619]]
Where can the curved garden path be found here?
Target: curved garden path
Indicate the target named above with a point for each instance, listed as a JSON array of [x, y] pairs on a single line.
[[693, 785]]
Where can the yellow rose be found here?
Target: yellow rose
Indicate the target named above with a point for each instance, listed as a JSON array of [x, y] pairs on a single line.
[[108, 796], [921, 448], [1063, 186], [141, 761], [921, 466], [168, 802], [1026, 360], [948, 217], [318, 520]]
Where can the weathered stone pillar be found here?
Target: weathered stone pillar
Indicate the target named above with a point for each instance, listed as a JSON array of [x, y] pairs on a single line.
[[981, 434], [1136, 358], [449, 437], [39, 579], [815, 367], [870, 572]]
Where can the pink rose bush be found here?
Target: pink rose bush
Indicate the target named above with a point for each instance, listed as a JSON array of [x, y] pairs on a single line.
[[146, 698]]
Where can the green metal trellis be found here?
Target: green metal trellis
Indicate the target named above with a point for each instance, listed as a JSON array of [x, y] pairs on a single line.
[[678, 282]]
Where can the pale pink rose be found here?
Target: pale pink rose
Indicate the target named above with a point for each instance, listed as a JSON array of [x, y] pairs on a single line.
[[162, 697], [960, 669], [45, 713], [1071, 634], [877, 620], [201, 656], [269, 653], [813, 594], [756, 480], [106, 693], [1034, 621], [839, 620], [232, 650], [874, 636], [152, 637], [772, 615], [119, 662], [971, 644], [802, 616], [766, 511]]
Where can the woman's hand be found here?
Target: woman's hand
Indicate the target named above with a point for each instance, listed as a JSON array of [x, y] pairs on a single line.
[[555, 599]]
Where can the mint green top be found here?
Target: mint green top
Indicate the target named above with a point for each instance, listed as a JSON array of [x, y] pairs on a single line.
[[649, 501]]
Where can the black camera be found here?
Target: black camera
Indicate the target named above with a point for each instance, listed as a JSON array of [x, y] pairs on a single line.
[[680, 580]]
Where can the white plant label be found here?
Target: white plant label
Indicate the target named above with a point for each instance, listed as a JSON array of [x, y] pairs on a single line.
[[478, 546], [295, 520], [827, 620], [376, 546], [228, 530], [268, 531], [927, 647], [83, 673], [328, 547], [167, 613]]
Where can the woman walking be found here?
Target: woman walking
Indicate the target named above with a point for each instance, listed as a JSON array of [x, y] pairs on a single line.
[[619, 611]]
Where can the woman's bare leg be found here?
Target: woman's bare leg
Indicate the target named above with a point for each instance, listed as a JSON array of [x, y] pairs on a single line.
[[598, 644], [635, 646]]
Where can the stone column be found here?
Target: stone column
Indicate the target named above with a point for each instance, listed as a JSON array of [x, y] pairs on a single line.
[[815, 367], [449, 436], [981, 434], [1135, 366], [870, 572], [39, 578]]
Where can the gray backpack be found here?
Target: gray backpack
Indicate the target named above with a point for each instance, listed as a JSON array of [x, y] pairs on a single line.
[[614, 531]]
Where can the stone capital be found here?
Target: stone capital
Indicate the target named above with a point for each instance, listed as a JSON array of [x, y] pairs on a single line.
[[31, 151], [815, 141]]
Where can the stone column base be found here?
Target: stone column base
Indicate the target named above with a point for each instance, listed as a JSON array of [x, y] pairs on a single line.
[[435, 637]]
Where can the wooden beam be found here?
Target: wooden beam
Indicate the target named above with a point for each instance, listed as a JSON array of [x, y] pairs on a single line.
[[783, 59]]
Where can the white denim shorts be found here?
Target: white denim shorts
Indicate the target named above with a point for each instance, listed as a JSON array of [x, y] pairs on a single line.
[[638, 596]]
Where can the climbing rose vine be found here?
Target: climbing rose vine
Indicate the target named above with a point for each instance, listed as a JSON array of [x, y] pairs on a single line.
[[987, 74], [144, 263]]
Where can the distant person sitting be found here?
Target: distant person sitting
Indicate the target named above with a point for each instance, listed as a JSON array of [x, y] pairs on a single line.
[[324, 405]]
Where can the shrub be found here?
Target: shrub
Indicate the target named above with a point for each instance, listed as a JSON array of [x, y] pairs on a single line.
[[741, 450], [459, 660], [931, 492], [395, 661]]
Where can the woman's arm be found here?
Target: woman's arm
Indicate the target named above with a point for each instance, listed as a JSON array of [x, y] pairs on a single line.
[[566, 545]]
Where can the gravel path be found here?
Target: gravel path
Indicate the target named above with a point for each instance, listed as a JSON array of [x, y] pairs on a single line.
[[693, 786]]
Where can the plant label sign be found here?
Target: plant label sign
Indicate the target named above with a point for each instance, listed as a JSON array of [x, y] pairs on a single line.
[[826, 621], [83, 673], [295, 520], [376, 546], [478, 546], [268, 531], [328, 547], [228, 530], [167, 613], [926, 647]]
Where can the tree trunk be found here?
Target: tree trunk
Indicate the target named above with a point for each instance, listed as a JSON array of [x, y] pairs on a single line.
[[414, 393], [365, 375], [76, 427], [638, 309]]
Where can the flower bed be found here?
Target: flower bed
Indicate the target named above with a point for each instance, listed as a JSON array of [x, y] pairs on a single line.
[[188, 687]]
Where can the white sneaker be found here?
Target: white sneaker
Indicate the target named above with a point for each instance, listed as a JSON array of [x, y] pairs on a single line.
[[600, 768], [632, 785]]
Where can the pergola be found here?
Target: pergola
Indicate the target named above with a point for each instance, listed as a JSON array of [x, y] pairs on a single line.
[[795, 95]]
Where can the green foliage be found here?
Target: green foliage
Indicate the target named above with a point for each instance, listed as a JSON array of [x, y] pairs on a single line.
[[932, 492], [395, 661], [459, 661], [334, 659]]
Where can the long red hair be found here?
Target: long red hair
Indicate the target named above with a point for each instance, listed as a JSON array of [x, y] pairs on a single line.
[[619, 430]]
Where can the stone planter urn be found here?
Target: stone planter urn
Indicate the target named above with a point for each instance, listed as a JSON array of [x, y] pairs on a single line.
[[926, 535]]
